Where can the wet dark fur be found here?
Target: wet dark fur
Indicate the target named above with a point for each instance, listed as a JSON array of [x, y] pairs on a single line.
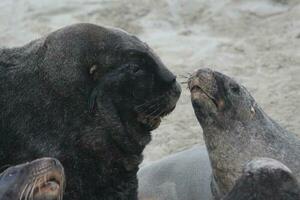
[[76, 95]]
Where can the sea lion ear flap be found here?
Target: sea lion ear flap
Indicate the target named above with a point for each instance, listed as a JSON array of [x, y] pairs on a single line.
[[252, 110]]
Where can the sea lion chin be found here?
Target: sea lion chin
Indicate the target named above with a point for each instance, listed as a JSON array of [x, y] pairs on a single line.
[[236, 129]]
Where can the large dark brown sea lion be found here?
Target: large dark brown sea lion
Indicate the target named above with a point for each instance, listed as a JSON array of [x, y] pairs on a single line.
[[41, 179], [88, 96], [265, 179], [236, 129]]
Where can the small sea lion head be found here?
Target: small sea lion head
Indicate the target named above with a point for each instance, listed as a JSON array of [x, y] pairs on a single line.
[[219, 100], [140, 86], [41, 179], [265, 178]]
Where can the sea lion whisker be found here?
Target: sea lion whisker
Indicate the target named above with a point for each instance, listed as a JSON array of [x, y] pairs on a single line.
[[28, 191], [186, 75], [145, 108], [151, 107], [40, 182], [154, 111], [151, 101], [32, 189], [150, 104], [23, 191], [159, 114]]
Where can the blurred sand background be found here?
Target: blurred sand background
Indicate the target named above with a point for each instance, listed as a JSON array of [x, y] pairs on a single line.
[[255, 41]]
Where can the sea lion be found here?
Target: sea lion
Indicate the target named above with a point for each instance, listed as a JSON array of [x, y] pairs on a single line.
[[185, 175], [89, 96], [236, 129], [41, 179], [264, 179]]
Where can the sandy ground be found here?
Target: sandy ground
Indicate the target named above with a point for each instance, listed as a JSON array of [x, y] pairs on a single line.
[[255, 41]]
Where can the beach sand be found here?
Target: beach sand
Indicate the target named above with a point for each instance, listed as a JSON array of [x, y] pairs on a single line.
[[255, 41]]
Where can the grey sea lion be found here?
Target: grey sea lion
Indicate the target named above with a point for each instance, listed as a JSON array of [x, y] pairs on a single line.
[[184, 175], [236, 129], [41, 179], [88, 96], [265, 179]]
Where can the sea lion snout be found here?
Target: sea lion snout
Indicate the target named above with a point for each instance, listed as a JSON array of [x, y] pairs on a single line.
[[203, 88], [203, 80], [49, 173]]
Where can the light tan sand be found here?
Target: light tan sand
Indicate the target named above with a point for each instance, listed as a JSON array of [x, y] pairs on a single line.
[[255, 41]]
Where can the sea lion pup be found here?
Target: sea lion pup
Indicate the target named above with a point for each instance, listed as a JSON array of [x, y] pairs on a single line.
[[236, 129], [264, 179], [88, 96], [184, 175], [41, 179]]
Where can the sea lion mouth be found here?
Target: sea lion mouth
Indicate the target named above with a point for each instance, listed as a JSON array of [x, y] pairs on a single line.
[[49, 186], [150, 114], [148, 122], [198, 92], [47, 180]]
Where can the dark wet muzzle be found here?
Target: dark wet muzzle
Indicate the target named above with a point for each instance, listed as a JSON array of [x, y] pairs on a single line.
[[165, 75]]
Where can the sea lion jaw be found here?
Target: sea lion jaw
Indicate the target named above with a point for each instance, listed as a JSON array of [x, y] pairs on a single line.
[[41, 179]]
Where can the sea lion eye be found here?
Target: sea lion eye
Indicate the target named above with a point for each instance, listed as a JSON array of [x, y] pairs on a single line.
[[135, 68], [235, 88], [10, 174]]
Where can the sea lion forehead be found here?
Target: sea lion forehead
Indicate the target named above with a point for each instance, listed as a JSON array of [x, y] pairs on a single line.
[[126, 41], [100, 37]]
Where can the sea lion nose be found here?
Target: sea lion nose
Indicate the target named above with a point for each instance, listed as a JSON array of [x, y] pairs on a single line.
[[176, 88], [167, 76], [205, 73]]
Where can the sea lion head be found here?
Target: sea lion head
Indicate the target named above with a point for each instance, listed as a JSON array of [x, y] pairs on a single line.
[[41, 179], [85, 57], [140, 86], [265, 178], [220, 101]]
